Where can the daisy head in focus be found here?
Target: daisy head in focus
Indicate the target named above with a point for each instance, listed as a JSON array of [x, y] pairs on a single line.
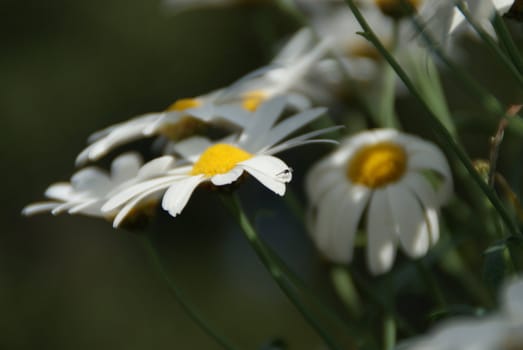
[[396, 181], [224, 162], [90, 187], [500, 330]]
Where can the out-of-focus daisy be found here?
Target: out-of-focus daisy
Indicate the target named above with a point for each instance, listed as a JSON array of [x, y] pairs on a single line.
[[90, 187], [399, 179], [180, 119], [224, 162], [499, 331], [356, 54], [286, 75]]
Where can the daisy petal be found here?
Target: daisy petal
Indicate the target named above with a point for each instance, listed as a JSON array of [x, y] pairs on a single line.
[[125, 167], [178, 194], [326, 216], [60, 191], [409, 221], [289, 126], [272, 172], [38, 208], [381, 244], [424, 192], [156, 167], [227, 178]]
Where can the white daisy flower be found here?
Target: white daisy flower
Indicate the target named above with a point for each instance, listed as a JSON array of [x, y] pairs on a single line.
[[90, 187], [501, 330], [224, 162], [285, 76], [180, 119], [393, 177], [357, 55]]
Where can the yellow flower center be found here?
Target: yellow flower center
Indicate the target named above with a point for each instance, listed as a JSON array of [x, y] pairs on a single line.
[[397, 8], [219, 159], [183, 104], [251, 100], [377, 165]]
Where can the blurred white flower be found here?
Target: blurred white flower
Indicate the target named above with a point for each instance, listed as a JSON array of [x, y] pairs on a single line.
[[179, 120], [502, 330], [222, 163], [90, 187], [399, 179], [286, 75]]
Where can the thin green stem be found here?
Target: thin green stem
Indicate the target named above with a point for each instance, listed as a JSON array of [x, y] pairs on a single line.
[[178, 295], [443, 134], [232, 202], [344, 287], [491, 43], [389, 332], [506, 39]]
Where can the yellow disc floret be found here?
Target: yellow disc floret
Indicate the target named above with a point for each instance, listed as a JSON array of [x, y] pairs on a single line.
[[377, 165], [251, 100], [183, 104], [398, 8], [219, 159]]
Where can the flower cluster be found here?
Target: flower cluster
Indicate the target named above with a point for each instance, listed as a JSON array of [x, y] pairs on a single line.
[[382, 188]]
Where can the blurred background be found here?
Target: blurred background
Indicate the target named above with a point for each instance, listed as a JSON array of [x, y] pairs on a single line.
[[69, 68]]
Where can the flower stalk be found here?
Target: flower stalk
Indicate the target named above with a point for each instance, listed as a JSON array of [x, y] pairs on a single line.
[[273, 267], [176, 292]]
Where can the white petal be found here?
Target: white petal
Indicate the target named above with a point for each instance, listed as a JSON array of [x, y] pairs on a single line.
[[347, 205], [127, 194], [347, 220], [127, 208], [288, 126], [326, 216], [37, 208], [89, 207], [117, 135], [272, 172], [62, 191], [192, 148], [513, 299], [424, 192], [125, 167], [178, 194], [409, 221], [227, 178], [91, 180], [59, 209], [156, 167], [261, 122], [381, 244], [162, 119]]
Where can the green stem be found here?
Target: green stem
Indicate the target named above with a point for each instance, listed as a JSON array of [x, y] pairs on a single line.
[[346, 290], [178, 295], [489, 101], [274, 268], [491, 43], [389, 332], [432, 121], [506, 39]]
